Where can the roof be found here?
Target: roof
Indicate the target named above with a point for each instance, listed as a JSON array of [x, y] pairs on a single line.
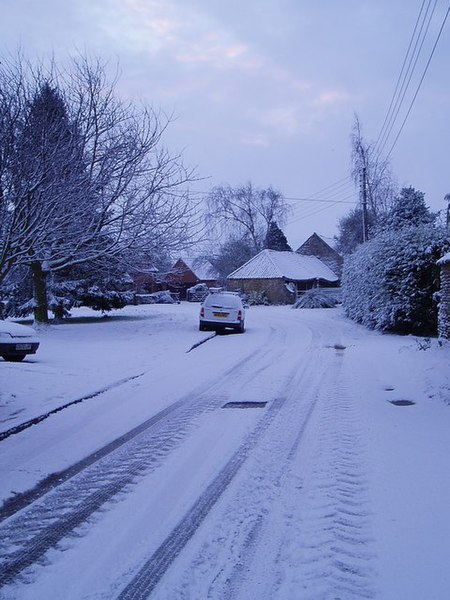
[[316, 238], [202, 268], [272, 264], [444, 260]]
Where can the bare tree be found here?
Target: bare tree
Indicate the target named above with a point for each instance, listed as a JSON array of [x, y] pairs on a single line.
[[381, 186], [246, 210], [84, 176]]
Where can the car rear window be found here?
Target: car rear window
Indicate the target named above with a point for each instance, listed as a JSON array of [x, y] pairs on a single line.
[[223, 300]]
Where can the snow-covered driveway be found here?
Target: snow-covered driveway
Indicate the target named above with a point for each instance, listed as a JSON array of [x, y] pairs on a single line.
[[320, 488]]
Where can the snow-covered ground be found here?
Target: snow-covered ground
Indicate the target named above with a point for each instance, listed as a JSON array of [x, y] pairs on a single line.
[[330, 490]]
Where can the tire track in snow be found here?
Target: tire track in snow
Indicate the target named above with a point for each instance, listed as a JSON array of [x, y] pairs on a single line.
[[39, 418], [332, 553], [22, 500], [27, 536], [265, 484], [246, 505], [155, 567], [36, 420], [291, 530]]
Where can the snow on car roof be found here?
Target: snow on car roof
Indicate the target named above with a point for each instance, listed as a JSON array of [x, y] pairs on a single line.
[[16, 328], [273, 264]]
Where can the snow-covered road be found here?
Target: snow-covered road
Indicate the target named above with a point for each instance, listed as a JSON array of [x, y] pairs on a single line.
[[320, 488]]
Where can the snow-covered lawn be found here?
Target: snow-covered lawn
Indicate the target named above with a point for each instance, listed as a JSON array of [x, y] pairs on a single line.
[[342, 493]]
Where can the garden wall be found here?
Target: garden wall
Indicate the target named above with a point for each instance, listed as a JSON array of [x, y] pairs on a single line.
[[274, 289]]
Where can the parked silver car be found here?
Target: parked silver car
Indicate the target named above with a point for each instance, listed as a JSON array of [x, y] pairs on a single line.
[[222, 310], [16, 341]]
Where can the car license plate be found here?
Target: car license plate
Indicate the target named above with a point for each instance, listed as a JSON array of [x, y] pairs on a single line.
[[221, 314], [23, 346]]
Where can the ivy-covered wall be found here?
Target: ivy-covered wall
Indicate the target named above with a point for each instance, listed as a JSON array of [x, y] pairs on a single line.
[[444, 304]]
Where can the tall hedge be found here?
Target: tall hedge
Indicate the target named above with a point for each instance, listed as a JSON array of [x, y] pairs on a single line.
[[389, 282]]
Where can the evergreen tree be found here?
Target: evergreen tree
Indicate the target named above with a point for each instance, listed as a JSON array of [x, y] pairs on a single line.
[[408, 209], [51, 178], [84, 177], [275, 238]]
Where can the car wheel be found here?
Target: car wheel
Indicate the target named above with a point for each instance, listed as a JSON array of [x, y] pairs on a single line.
[[202, 327], [14, 357], [241, 327]]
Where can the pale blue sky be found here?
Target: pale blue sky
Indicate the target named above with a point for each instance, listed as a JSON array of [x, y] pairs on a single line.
[[264, 90]]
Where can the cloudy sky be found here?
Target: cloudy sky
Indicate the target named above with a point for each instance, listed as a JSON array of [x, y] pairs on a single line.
[[266, 90]]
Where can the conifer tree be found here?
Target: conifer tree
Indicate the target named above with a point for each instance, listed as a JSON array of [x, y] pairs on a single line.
[[84, 177], [275, 238], [49, 172]]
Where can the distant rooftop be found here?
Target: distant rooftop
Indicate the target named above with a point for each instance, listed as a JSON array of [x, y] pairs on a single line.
[[202, 268], [272, 264]]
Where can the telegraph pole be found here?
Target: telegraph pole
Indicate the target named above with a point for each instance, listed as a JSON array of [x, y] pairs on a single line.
[[447, 197], [365, 230]]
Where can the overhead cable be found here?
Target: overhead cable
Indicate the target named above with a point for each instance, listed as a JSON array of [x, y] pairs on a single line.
[[405, 76], [420, 82]]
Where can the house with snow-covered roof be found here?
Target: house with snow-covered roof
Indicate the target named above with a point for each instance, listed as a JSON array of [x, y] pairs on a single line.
[[316, 246], [444, 302], [187, 272], [282, 275]]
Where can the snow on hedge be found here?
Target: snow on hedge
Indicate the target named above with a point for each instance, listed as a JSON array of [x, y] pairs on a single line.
[[389, 282], [315, 298]]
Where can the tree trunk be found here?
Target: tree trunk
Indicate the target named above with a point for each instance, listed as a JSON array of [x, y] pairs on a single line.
[[40, 292]]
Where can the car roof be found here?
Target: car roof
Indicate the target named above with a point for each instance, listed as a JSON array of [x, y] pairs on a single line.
[[224, 296], [16, 328]]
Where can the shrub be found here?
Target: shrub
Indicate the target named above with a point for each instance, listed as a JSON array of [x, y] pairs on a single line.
[[389, 282], [255, 298], [315, 298]]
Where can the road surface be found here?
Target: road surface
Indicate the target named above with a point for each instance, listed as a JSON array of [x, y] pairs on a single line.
[[252, 483]]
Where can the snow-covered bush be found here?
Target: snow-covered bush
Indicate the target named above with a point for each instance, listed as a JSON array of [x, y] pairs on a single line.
[[255, 298], [315, 298], [106, 295], [389, 282], [99, 293], [98, 299], [164, 297]]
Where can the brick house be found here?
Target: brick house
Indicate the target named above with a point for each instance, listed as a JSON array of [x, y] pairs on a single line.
[[147, 282], [282, 275], [187, 272], [444, 304], [318, 247]]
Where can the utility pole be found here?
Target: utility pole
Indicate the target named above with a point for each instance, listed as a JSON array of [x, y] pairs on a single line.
[[365, 230]]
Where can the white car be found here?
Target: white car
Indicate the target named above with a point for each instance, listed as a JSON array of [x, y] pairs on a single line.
[[222, 310], [16, 341]]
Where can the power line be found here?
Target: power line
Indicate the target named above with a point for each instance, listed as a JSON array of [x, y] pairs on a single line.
[[339, 189], [421, 81], [314, 212], [329, 201], [337, 184], [307, 211], [396, 105], [401, 90], [401, 73]]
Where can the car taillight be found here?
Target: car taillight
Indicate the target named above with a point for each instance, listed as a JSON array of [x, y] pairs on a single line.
[[202, 312], [239, 317]]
